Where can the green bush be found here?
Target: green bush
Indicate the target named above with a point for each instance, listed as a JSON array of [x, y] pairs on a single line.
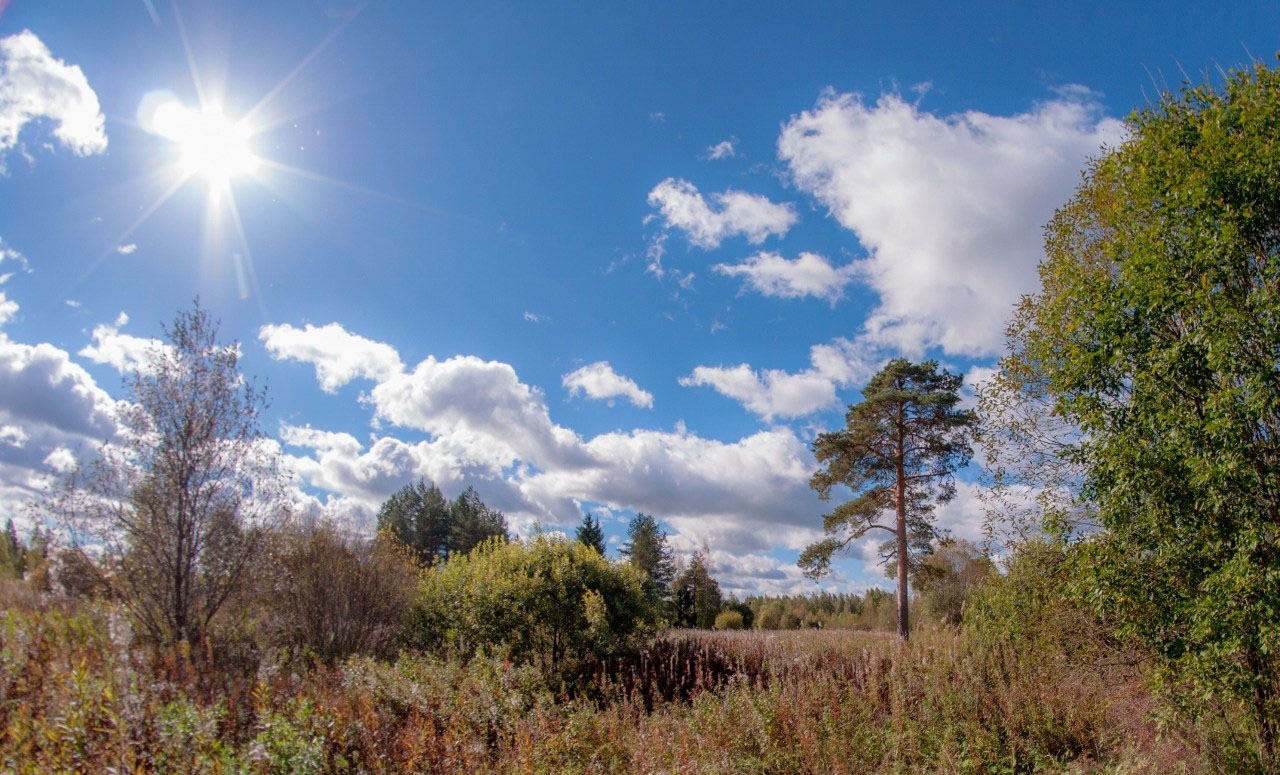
[[729, 620], [544, 600]]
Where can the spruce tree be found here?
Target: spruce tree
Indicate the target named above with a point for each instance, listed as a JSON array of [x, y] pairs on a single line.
[[589, 533]]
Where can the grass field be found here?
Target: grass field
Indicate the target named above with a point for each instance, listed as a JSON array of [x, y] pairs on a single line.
[[73, 700]]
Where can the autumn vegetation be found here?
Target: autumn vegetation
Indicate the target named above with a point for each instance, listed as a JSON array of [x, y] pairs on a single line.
[[171, 614]]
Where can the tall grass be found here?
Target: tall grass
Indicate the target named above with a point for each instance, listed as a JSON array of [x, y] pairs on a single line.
[[74, 699]]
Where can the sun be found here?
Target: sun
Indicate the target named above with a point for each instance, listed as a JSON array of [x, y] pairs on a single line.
[[209, 144]]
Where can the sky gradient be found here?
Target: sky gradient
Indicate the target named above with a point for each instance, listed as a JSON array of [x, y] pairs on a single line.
[[595, 256]]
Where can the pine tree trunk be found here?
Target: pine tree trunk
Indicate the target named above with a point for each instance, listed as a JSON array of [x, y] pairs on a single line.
[[901, 529]]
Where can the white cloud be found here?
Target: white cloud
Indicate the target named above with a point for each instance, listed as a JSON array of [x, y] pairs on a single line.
[[9, 307], [124, 352], [964, 515], [734, 212], [125, 250], [490, 429], [950, 208], [807, 275], [773, 393], [533, 317], [35, 85], [13, 435], [61, 460], [339, 356], [483, 401], [599, 380], [725, 149], [746, 495], [41, 386]]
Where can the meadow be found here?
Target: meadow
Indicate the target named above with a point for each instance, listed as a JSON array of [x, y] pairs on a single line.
[[75, 698]]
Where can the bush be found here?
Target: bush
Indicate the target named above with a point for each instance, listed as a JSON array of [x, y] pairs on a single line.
[[729, 620], [338, 595], [544, 600]]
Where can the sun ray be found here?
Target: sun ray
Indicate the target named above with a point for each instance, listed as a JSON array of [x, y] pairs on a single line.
[[133, 227], [272, 164], [250, 117], [244, 261], [191, 59]]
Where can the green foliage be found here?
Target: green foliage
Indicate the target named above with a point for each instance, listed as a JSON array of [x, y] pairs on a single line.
[[420, 517], [589, 533], [13, 553], [1156, 333], [730, 620], [695, 595], [948, 577], [897, 452], [72, 701], [546, 600], [647, 550]]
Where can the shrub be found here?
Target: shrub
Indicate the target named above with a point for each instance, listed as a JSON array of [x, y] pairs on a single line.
[[729, 620], [338, 595], [547, 600]]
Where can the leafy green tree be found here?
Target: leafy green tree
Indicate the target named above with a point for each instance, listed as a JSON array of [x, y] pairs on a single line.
[[544, 600], [1156, 333], [948, 577], [647, 550], [420, 517], [178, 504], [695, 595], [898, 453], [589, 533]]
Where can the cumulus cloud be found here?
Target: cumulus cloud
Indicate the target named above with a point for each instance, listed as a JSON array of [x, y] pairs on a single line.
[[124, 352], [747, 495], [774, 393], [949, 208], [34, 85], [125, 250], [729, 214], [41, 386], [338, 355], [483, 401], [490, 429], [599, 380], [809, 274]]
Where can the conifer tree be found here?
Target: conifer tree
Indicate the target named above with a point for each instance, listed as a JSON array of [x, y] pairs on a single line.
[[589, 533], [897, 452]]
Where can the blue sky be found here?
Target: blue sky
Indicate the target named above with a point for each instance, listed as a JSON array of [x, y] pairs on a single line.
[[580, 256]]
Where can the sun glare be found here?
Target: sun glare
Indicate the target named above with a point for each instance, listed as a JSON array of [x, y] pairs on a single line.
[[209, 144]]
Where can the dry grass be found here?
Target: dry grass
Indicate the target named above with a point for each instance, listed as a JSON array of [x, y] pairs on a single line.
[[74, 700]]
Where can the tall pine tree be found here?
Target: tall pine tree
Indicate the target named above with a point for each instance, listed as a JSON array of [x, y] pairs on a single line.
[[898, 453]]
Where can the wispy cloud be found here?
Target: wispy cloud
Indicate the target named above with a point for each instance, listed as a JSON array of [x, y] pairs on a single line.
[[725, 149]]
